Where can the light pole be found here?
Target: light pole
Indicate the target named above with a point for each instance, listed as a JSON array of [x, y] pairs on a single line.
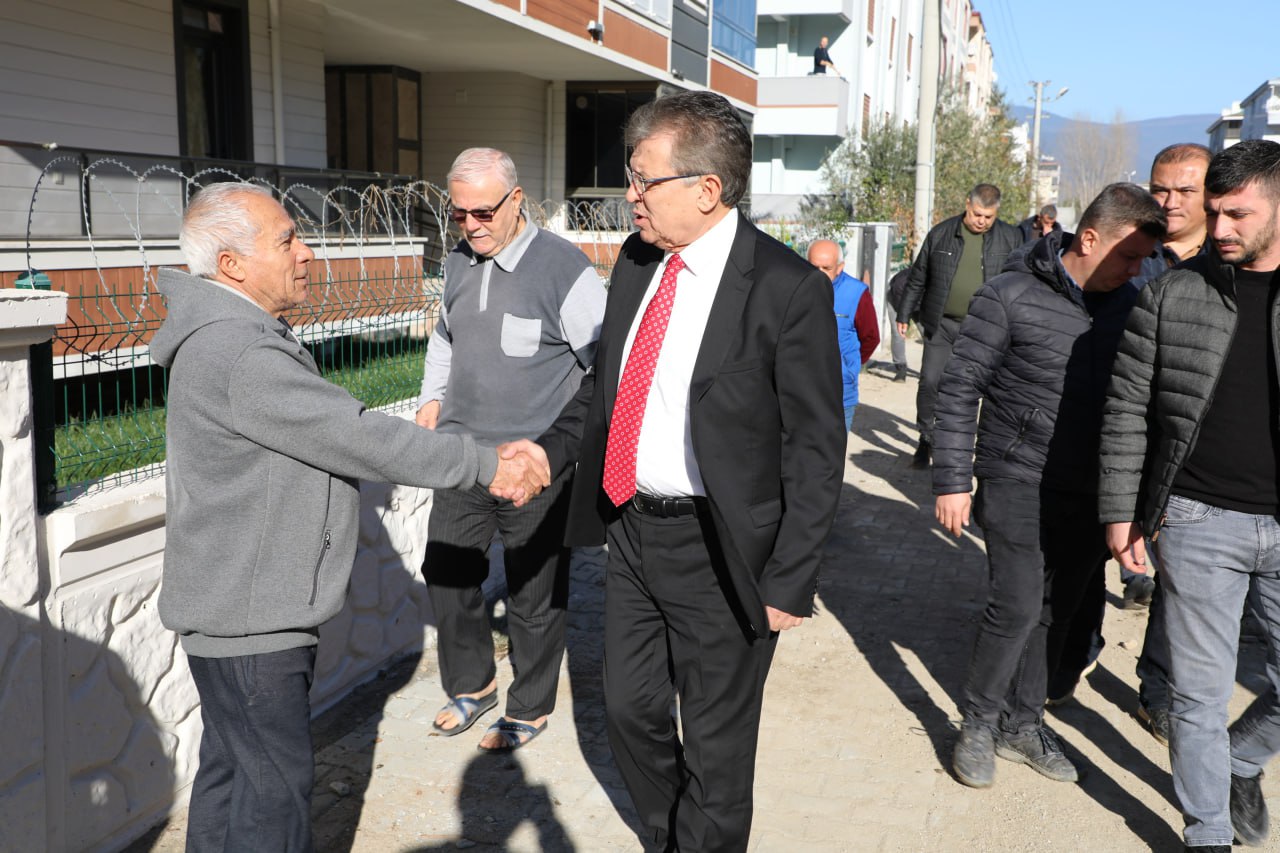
[[1035, 140]]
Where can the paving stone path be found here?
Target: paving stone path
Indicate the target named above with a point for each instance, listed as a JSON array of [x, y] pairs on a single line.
[[858, 720]]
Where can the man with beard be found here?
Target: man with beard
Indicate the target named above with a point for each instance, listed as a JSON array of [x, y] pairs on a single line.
[[1189, 462]]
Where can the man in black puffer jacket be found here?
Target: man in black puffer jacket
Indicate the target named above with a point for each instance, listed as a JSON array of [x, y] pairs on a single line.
[[958, 256], [1035, 350], [1191, 460]]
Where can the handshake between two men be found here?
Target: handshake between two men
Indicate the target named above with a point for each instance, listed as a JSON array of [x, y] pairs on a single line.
[[523, 469]]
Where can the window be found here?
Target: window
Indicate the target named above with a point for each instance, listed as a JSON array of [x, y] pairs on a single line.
[[594, 151], [911, 46], [866, 115], [211, 47], [733, 29], [659, 10], [372, 113], [871, 17], [893, 38]]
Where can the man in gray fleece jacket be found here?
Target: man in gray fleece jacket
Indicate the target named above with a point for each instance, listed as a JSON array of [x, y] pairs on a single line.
[[264, 458]]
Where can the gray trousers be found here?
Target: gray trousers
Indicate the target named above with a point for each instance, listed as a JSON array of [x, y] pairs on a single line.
[[460, 530], [897, 343]]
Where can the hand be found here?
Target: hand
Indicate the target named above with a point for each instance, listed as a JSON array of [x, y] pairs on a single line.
[[952, 511], [523, 472], [1124, 538], [902, 329], [428, 415], [780, 621]]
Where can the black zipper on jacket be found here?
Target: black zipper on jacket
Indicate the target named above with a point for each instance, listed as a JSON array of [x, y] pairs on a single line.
[[1024, 424], [315, 575]]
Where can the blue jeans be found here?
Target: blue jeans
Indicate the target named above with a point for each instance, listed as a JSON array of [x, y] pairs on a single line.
[[253, 788], [1208, 557]]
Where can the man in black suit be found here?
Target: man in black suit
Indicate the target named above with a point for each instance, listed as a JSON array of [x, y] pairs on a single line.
[[709, 440]]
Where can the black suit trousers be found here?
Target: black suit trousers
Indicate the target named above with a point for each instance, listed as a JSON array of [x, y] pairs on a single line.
[[674, 632]]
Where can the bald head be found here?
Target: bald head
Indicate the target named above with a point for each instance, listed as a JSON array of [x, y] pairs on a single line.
[[826, 256]]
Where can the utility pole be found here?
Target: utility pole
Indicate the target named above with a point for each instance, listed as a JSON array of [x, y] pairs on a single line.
[[931, 47], [1035, 140]]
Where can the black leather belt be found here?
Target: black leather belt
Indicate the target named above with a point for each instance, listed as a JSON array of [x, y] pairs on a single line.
[[667, 507]]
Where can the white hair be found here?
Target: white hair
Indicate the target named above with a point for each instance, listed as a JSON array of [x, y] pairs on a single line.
[[216, 221], [475, 164]]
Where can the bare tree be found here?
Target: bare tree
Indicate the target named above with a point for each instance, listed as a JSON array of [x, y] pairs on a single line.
[[1093, 155]]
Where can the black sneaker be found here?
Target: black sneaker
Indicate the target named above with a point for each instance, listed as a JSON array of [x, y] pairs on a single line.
[[1040, 750], [974, 758], [922, 456], [1249, 811], [900, 373], [1138, 592], [1157, 720]]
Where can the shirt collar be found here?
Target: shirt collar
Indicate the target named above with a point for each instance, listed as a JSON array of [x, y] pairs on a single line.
[[710, 251], [514, 251], [1063, 267]]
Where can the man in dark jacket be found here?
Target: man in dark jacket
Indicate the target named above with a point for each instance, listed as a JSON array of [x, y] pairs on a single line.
[[1190, 450], [1035, 352], [1035, 227], [958, 256], [1177, 185]]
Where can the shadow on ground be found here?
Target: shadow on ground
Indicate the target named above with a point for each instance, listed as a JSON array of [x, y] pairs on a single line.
[[911, 598], [489, 785]]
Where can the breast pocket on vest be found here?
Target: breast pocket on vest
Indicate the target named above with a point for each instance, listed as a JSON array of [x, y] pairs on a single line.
[[520, 336]]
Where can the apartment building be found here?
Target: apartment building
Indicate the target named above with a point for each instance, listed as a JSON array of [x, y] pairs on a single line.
[[876, 48], [107, 108]]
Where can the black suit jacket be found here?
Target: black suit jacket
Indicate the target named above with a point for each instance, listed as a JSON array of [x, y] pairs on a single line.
[[766, 414]]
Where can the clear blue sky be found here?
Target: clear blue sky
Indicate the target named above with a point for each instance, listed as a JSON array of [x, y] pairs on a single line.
[[1149, 58]]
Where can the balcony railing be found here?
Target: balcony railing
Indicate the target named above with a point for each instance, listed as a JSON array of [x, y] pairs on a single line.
[[816, 105], [843, 9]]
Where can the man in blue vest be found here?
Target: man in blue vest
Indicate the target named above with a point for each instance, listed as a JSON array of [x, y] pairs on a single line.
[[859, 334]]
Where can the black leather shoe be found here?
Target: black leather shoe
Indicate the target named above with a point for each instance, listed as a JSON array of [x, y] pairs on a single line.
[[974, 759], [1157, 720], [1138, 592], [1249, 811], [922, 458]]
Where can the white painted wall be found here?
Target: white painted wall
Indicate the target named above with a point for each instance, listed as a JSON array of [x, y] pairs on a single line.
[[302, 46], [499, 110], [94, 73], [100, 74], [112, 746]]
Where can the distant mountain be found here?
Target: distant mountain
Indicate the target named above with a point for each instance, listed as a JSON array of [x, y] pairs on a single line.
[[1150, 135]]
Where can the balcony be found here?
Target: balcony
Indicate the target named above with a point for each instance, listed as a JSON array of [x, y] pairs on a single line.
[[843, 9], [802, 106]]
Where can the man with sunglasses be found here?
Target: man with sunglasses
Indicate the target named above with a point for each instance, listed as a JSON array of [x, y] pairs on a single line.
[[519, 318]]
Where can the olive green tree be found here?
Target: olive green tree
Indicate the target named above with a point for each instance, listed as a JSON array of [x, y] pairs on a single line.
[[873, 179]]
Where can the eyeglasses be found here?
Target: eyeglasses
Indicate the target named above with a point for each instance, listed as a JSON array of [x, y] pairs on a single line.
[[643, 185], [460, 214]]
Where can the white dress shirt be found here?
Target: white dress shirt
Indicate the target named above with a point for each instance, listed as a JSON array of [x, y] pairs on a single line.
[[665, 465]]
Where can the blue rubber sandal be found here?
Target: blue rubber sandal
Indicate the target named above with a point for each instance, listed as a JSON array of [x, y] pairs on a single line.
[[467, 711], [514, 735]]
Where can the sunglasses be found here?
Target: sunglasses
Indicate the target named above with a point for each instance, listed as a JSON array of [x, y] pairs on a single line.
[[459, 214]]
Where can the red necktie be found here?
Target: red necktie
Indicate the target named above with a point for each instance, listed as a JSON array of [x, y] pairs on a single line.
[[633, 390]]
